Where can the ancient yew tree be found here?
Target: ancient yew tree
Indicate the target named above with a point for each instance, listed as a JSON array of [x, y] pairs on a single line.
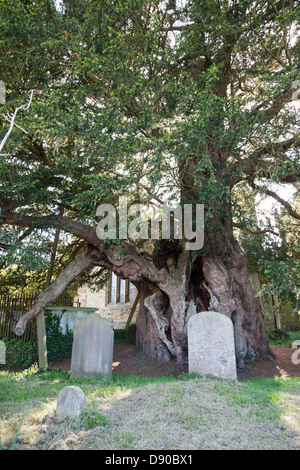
[[150, 100]]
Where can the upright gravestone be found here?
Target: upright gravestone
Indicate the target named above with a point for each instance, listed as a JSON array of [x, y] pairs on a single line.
[[70, 402], [211, 347], [92, 351], [2, 353]]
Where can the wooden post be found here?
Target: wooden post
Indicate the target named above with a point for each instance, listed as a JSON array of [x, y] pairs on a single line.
[[133, 308], [40, 319], [118, 290], [42, 344], [108, 291], [126, 290]]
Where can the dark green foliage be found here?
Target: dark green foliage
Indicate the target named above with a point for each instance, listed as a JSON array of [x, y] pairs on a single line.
[[20, 353], [283, 280], [131, 334], [59, 344], [120, 336], [126, 335], [282, 338], [116, 57], [278, 334]]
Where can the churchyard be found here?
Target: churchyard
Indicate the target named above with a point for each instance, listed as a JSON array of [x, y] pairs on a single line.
[[112, 411], [149, 167], [128, 413], [90, 400]]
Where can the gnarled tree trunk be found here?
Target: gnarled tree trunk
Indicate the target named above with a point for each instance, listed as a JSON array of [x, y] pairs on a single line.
[[217, 281], [174, 284]]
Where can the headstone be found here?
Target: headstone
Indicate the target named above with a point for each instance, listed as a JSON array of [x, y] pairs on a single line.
[[2, 353], [211, 349], [68, 315], [92, 351], [70, 402], [295, 344]]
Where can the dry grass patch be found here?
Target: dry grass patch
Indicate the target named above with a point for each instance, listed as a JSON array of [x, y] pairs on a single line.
[[199, 413]]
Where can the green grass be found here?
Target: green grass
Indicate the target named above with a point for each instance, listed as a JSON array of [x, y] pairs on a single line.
[[90, 419], [195, 403], [34, 383]]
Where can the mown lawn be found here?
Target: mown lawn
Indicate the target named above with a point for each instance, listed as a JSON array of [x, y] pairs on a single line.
[[190, 412]]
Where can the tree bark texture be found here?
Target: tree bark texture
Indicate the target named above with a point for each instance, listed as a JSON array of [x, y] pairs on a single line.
[[173, 285]]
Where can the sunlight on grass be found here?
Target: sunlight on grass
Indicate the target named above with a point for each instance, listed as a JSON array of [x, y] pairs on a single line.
[[135, 413]]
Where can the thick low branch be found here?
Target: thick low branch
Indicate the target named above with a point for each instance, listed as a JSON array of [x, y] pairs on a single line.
[[134, 265], [78, 229], [82, 262]]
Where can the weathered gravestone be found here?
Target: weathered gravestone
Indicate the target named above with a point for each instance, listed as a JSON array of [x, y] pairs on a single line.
[[92, 351], [70, 402], [2, 353], [211, 347]]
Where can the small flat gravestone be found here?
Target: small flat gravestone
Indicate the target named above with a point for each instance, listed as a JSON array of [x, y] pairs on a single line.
[[2, 353], [211, 348], [93, 343], [70, 402]]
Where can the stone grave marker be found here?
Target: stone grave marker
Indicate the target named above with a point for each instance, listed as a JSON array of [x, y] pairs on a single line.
[[92, 351], [211, 348], [70, 402], [2, 353]]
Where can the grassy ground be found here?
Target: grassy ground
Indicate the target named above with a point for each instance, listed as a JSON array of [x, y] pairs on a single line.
[[190, 412]]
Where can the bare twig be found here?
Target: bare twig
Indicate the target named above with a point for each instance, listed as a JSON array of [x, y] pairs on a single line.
[[13, 117]]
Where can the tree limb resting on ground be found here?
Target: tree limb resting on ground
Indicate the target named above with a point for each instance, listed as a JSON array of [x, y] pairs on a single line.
[[79, 264]]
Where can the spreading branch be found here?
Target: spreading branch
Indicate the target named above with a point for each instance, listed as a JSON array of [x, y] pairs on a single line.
[[4, 246], [277, 105], [254, 232], [78, 229], [79, 264], [275, 196], [256, 163]]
